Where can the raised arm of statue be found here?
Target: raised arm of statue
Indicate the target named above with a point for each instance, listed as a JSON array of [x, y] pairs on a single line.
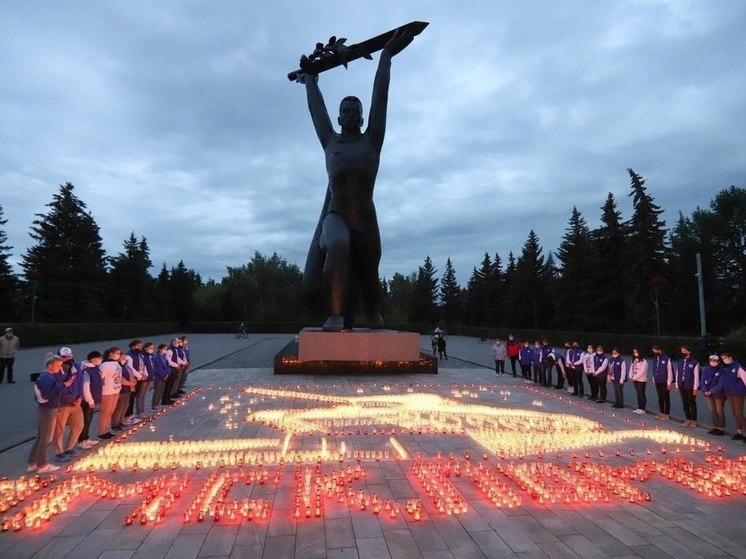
[[320, 116], [379, 102]]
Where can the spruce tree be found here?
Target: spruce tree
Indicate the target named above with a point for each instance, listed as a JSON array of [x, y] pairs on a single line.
[[8, 282], [574, 281], [644, 257], [130, 283], [183, 283], [450, 295], [530, 301], [681, 281], [424, 307], [605, 303], [67, 265]]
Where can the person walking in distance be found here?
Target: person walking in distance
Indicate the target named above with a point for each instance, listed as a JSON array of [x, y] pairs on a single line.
[[9, 345], [498, 354]]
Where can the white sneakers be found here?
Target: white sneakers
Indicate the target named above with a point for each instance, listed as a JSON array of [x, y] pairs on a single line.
[[131, 421], [639, 411], [47, 469]]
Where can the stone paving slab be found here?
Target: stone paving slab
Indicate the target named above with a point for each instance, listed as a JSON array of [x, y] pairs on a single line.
[[676, 522]]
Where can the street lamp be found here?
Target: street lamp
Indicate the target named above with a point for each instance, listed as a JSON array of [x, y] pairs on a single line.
[[701, 289]]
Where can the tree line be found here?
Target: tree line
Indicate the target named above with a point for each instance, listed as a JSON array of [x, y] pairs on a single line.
[[627, 275]]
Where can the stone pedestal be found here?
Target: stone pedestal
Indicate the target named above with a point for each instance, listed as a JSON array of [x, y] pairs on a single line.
[[358, 345], [354, 352]]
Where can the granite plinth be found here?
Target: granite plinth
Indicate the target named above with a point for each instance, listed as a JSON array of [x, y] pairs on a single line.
[[358, 345], [355, 352]]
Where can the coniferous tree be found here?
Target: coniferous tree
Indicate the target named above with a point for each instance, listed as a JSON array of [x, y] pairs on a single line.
[[644, 256], [8, 281], [606, 302], [401, 289], [66, 266], [424, 306], [681, 281], [130, 283], [574, 280], [727, 224], [495, 289], [478, 293], [183, 283], [529, 293], [507, 287], [450, 295], [161, 295]]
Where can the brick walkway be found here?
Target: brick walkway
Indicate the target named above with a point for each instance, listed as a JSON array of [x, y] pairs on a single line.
[[466, 403]]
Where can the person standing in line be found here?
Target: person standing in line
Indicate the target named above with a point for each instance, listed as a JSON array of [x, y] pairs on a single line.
[[687, 382], [92, 387], [575, 362], [546, 366], [513, 348], [120, 419], [9, 345], [69, 414], [148, 357], [111, 385], [711, 385], [587, 362], [638, 373], [136, 363], [160, 377], [48, 388], [734, 389], [525, 357], [559, 363], [566, 365], [663, 379], [498, 354], [187, 364], [174, 366], [434, 343], [601, 372], [536, 362], [618, 376]]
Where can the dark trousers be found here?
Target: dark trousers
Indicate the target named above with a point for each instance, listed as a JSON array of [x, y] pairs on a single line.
[[513, 360], [689, 401], [642, 399], [601, 380], [579, 385], [560, 377], [593, 386], [87, 417], [526, 371], [6, 363], [618, 394], [570, 375], [500, 366], [717, 411], [664, 398], [536, 371], [173, 377]]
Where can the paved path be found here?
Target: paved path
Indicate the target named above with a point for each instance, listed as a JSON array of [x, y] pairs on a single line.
[[676, 522]]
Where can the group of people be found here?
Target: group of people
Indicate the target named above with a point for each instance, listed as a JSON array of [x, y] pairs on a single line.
[[115, 383], [722, 380]]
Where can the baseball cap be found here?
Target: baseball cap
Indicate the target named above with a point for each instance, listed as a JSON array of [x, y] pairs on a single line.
[[714, 357], [8, 330], [65, 352]]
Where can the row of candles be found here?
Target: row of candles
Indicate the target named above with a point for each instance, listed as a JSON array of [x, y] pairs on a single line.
[[434, 481], [547, 483]]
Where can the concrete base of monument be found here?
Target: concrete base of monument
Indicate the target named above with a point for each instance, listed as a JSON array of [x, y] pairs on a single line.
[[354, 352]]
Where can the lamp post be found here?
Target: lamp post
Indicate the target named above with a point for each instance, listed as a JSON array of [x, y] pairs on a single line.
[[701, 289]]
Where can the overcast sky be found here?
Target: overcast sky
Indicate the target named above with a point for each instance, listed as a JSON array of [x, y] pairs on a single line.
[[175, 120]]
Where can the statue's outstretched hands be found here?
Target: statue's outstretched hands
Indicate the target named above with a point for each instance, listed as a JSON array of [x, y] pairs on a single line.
[[398, 42], [303, 77]]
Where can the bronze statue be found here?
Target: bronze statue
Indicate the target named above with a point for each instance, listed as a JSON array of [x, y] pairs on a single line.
[[342, 262]]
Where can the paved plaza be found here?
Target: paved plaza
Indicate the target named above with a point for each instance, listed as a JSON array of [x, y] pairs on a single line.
[[460, 464]]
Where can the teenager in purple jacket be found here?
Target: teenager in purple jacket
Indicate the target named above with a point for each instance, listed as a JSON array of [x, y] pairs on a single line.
[[734, 388], [48, 388], [710, 383], [687, 382]]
